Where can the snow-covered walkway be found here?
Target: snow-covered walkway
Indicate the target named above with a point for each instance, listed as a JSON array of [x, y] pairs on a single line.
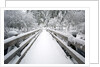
[[45, 50]]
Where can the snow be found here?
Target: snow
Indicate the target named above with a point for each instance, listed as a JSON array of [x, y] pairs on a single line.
[[80, 36], [71, 39], [15, 50], [71, 51], [12, 33], [17, 58], [10, 53], [45, 50], [13, 61], [19, 36]]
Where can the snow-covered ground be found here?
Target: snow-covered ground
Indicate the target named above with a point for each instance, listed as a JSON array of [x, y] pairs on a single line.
[[45, 50]]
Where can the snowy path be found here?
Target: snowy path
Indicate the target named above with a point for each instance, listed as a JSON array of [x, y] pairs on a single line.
[[45, 50]]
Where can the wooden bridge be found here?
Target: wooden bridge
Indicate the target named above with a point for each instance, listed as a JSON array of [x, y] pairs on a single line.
[[44, 46]]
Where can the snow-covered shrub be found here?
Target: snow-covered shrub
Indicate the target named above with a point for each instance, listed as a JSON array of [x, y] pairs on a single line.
[[74, 33], [80, 36], [12, 33]]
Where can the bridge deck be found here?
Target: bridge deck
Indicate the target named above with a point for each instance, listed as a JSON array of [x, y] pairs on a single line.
[[45, 50]]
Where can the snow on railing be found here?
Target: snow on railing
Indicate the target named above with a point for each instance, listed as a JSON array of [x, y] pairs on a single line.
[[23, 48], [74, 54], [13, 40], [78, 43]]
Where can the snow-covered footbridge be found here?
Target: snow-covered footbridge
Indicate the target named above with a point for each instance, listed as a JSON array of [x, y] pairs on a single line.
[[44, 46]]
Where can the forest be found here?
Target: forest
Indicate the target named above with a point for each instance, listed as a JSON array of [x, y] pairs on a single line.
[[21, 21]]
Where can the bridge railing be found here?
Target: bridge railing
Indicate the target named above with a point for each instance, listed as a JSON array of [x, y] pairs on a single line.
[[24, 46], [64, 40], [13, 40]]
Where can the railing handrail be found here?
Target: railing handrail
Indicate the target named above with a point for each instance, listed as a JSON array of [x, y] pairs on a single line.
[[8, 41], [79, 43], [17, 51], [80, 59]]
